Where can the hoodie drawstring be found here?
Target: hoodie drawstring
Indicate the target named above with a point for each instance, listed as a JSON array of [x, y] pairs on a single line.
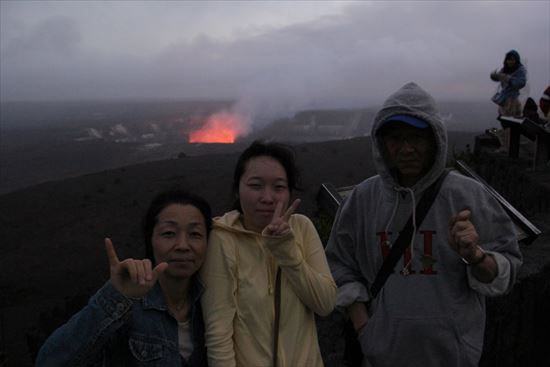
[[394, 211], [395, 205]]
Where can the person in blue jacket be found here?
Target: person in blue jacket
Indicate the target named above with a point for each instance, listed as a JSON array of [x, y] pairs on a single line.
[[149, 312], [512, 77]]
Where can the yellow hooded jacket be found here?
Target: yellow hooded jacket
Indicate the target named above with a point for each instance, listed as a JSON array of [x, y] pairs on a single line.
[[238, 303]]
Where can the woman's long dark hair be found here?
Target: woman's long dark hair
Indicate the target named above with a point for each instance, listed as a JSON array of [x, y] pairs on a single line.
[[280, 152]]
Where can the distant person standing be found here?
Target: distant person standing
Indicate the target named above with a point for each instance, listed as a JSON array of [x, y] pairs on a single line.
[[531, 111], [544, 103], [512, 77]]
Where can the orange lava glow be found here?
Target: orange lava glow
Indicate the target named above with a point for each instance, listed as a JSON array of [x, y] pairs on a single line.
[[221, 127]]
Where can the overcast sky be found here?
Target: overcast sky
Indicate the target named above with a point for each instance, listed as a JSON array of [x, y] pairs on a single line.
[[274, 55]]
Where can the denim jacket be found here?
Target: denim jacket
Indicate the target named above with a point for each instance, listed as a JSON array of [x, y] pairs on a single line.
[[114, 330], [511, 87]]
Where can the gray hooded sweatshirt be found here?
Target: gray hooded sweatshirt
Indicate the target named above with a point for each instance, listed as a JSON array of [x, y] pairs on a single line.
[[435, 315]]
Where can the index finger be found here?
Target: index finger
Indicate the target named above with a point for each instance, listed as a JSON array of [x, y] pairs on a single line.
[[277, 211], [291, 210], [111, 253]]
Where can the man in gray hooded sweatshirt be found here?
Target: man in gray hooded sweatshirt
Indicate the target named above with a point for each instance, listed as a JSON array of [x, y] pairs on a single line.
[[431, 310]]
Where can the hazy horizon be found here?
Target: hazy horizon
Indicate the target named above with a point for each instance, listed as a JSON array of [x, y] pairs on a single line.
[[36, 113], [59, 140]]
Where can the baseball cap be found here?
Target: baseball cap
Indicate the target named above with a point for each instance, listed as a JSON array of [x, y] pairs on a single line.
[[409, 120]]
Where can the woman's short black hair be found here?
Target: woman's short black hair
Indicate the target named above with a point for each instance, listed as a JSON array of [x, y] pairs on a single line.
[[280, 152], [161, 201]]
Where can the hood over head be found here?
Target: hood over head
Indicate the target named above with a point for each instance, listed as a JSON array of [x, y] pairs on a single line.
[[514, 54], [418, 107]]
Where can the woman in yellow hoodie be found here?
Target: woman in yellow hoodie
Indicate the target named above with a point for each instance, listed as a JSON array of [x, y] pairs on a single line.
[[265, 272]]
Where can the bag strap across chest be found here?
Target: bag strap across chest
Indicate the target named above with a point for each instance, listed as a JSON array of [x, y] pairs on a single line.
[[406, 234]]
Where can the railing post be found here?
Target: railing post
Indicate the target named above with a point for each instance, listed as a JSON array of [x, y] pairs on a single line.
[[514, 132]]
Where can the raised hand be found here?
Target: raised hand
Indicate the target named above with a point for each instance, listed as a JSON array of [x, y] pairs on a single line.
[[463, 236], [505, 78], [131, 277], [279, 223]]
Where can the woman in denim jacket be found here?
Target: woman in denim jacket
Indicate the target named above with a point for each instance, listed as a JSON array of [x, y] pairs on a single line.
[[148, 313]]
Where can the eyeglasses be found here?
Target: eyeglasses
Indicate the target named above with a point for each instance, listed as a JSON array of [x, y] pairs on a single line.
[[413, 139]]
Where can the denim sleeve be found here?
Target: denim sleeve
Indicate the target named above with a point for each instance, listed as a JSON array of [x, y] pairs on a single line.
[[518, 78], [83, 338]]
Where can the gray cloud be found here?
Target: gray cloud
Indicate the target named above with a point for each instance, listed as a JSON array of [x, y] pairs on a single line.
[[57, 36], [352, 57]]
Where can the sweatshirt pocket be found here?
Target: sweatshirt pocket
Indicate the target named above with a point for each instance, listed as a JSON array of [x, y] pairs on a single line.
[[412, 342]]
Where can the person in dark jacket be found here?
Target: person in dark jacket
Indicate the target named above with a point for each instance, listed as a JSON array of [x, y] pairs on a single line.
[[544, 103], [512, 78], [531, 111], [149, 312]]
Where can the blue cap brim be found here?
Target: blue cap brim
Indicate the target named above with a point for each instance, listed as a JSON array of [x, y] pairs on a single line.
[[409, 120]]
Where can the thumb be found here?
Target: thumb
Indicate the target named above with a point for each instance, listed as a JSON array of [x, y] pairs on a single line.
[[159, 269], [268, 230], [464, 215]]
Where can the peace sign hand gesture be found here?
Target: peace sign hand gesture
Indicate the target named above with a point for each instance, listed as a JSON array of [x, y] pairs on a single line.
[[133, 278], [279, 223]]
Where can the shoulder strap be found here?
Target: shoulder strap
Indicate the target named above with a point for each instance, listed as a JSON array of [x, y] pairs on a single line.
[[277, 316], [406, 234]]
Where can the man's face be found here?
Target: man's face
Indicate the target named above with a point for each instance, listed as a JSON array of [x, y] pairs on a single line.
[[409, 150]]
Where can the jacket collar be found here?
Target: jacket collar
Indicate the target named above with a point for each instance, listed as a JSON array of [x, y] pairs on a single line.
[[232, 221], [154, 299]]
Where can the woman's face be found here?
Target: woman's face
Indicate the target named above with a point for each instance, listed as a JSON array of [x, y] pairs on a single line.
[[180, 238], [263, 184], [511, 62]]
